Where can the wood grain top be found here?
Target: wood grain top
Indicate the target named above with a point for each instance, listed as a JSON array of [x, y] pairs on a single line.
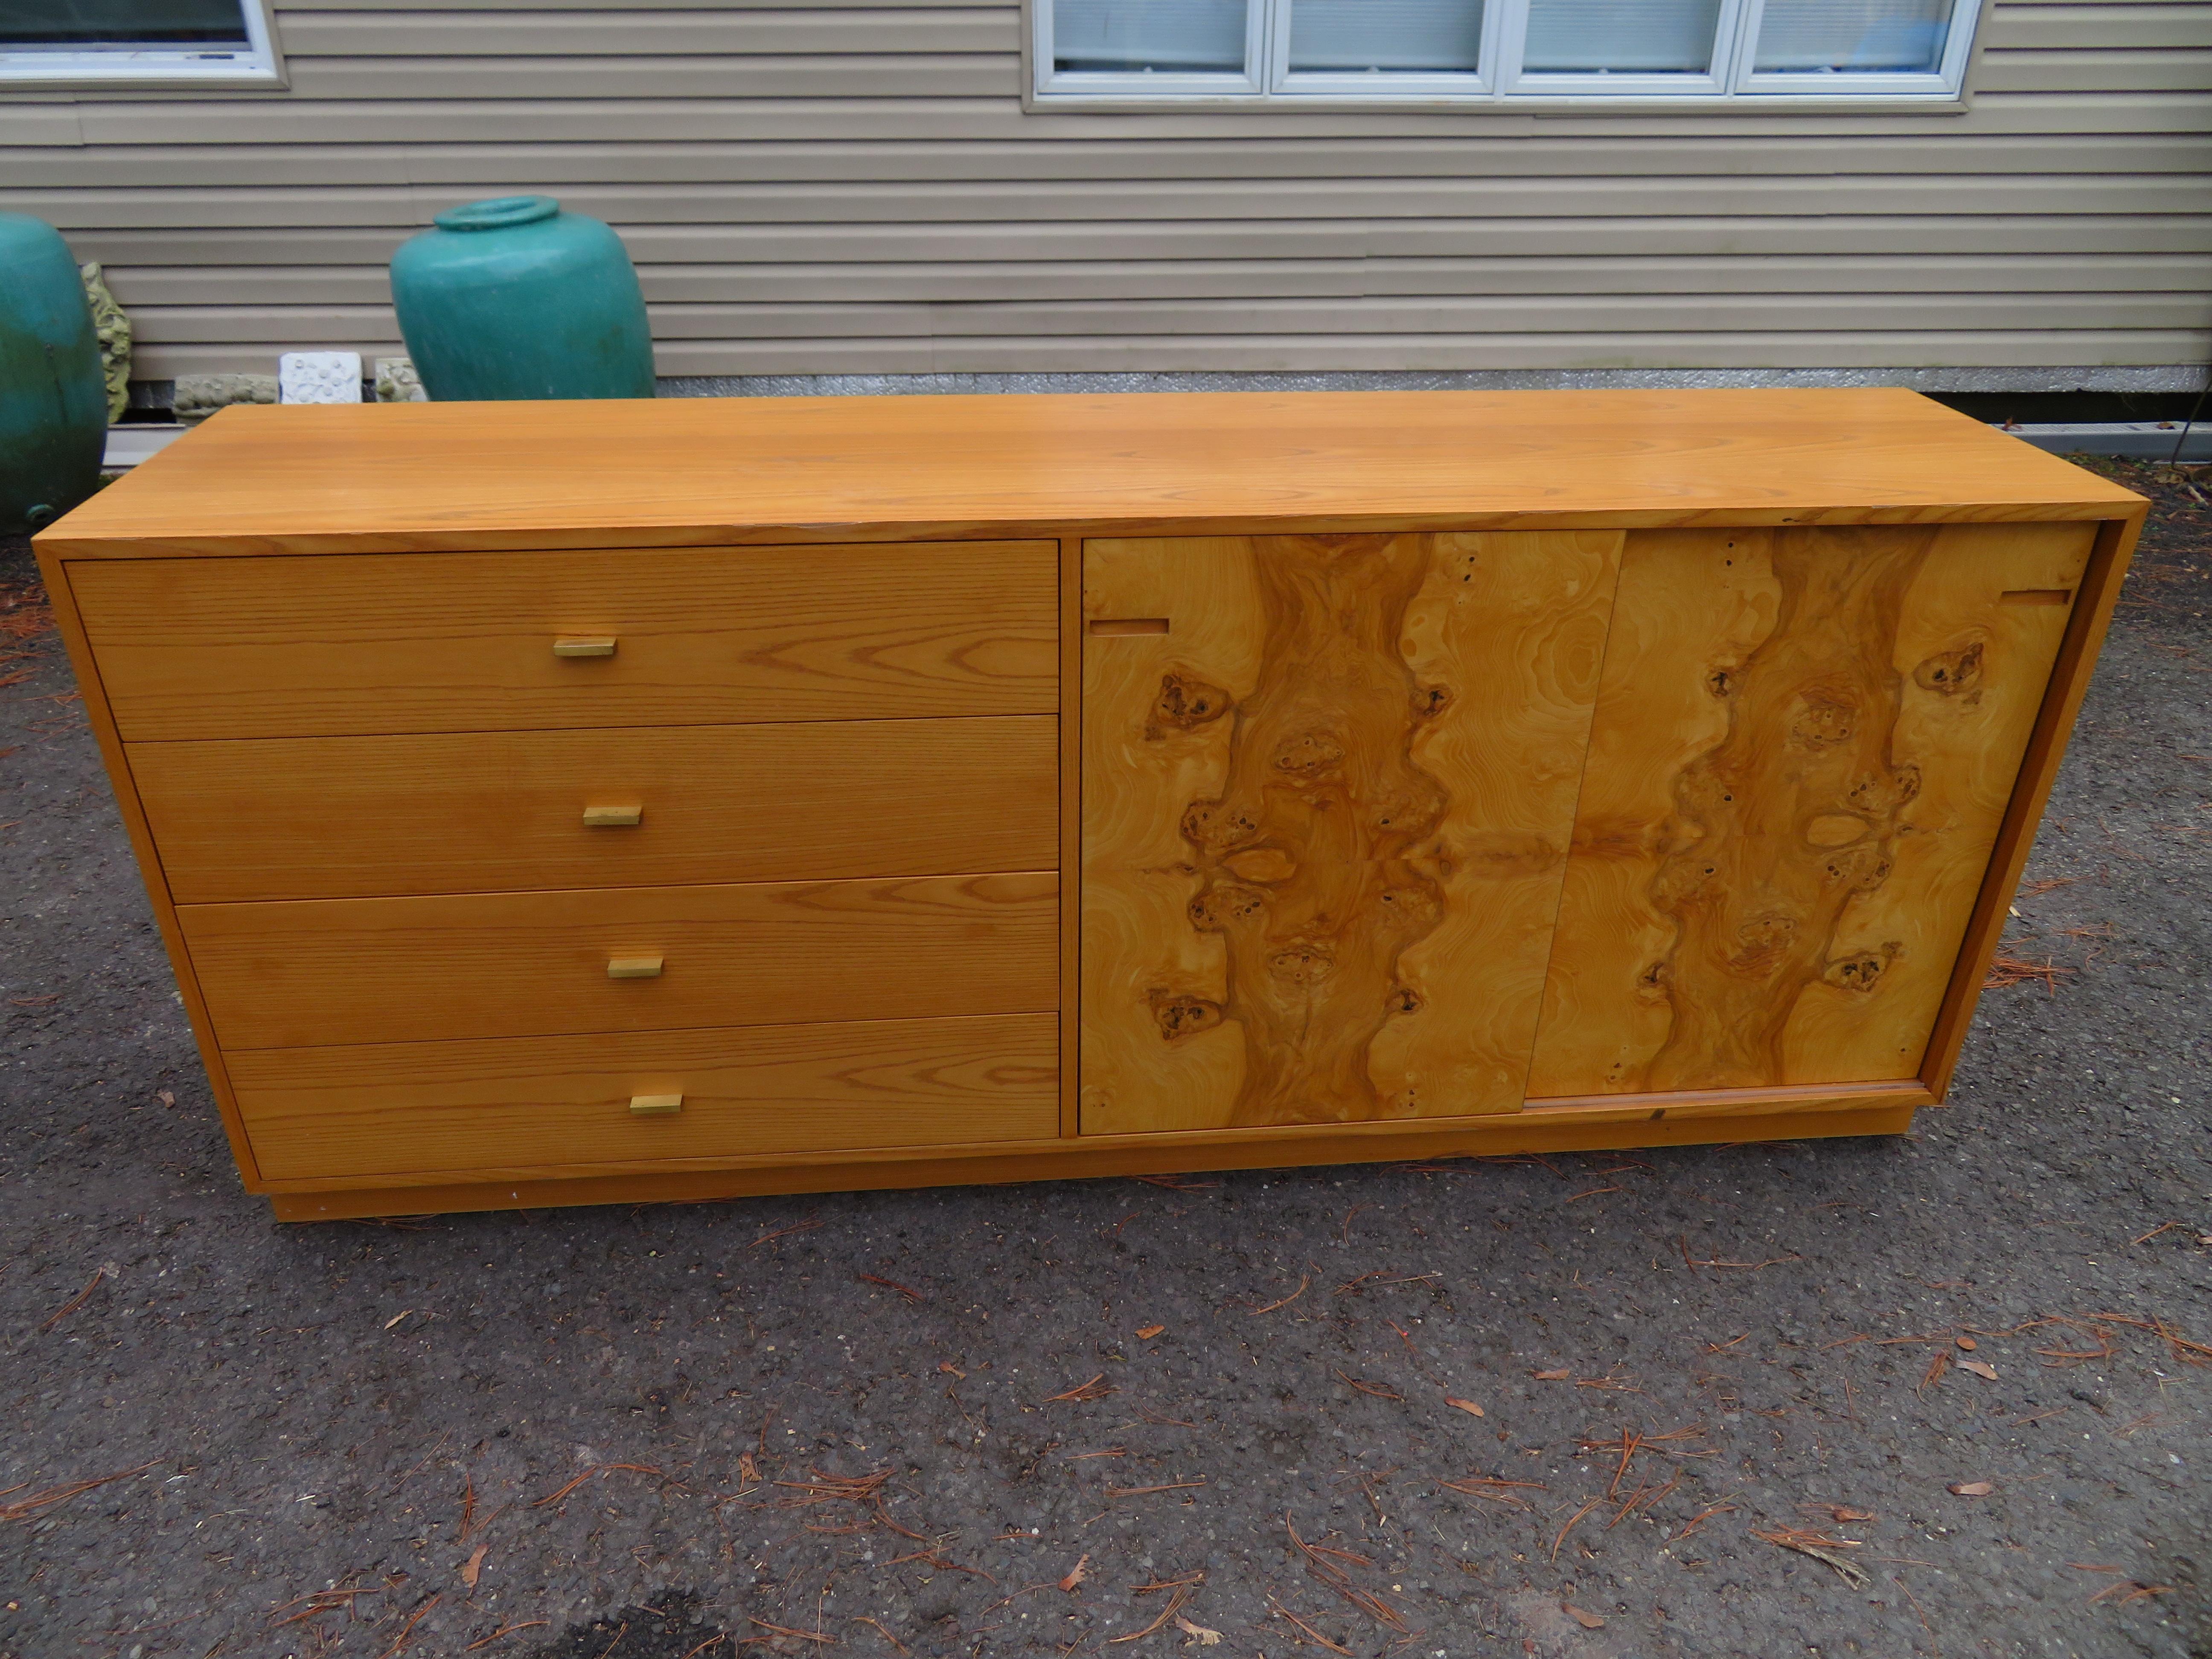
[[303, 479]]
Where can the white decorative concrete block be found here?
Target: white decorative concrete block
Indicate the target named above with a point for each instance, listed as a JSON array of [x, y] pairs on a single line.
[[318, 377]]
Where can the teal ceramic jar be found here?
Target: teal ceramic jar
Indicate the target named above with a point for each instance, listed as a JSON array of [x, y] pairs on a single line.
[[53, 403], [512, 298]]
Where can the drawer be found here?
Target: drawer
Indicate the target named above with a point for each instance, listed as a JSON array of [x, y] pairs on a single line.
[[553, 1105], [476, 811], [303, 646], [540, 964]]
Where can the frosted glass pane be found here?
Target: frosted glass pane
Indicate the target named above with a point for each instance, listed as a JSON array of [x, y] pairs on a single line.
[[1432, 35], [1861, 37], [1132, 36], [121, 23], [1640, 37]]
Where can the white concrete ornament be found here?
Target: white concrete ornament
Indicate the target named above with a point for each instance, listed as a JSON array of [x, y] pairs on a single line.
[[318, 377]]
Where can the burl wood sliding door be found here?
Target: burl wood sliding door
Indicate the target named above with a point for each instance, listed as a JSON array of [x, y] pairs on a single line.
[[1804, 744], [1329, 787]]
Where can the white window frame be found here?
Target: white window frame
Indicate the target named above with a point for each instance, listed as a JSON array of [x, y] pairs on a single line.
[[1177, 85], [259, 64], [1958, 50], [1364, 86], [1713, 82], [1729, 81]]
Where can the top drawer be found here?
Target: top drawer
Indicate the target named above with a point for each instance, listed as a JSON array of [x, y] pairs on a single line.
[[372, 643]]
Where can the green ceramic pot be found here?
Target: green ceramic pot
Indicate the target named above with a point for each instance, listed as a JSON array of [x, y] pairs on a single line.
[[53, 401], [512, 298]]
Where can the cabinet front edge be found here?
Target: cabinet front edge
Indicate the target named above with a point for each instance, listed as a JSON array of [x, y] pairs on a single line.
[[1079, 1156], [1127, 1157], [211, 542]]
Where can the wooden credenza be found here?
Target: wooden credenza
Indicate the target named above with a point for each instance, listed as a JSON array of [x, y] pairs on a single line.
[[565, 802]]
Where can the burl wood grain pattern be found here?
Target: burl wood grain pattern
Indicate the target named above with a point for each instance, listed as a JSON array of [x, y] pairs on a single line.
[[1804, 744], [1310, 860], [1980, 633], [1326, 790]]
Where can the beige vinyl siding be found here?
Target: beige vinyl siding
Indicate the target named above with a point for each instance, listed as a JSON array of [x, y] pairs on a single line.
[[855, 188]]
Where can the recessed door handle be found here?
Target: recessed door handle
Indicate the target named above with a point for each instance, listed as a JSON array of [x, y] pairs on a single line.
[[633, 967], [1129, 625]]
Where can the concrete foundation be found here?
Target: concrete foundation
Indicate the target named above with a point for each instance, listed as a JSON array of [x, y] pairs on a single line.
[[2176, 378]]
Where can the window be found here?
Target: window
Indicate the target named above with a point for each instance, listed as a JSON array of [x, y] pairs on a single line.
[[1510, 51], [170, 40]]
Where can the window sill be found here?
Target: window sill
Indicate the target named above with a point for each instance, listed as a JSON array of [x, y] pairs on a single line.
[[25, 73], [1556, 104]]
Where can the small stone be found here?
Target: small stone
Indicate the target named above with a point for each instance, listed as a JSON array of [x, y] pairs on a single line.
[[397, 382]]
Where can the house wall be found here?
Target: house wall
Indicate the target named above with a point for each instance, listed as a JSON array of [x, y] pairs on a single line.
[[833, 188]]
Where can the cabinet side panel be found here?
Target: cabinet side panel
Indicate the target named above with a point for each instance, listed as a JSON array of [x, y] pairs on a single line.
[[60, 593], [1805, 746]]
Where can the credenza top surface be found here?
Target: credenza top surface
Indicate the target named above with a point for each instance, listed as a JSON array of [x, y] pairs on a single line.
[[307, 478]]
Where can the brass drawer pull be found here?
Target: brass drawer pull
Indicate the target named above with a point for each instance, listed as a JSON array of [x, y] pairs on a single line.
[[633, 967], [613, 818], [600, 647], [655, 1105]]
